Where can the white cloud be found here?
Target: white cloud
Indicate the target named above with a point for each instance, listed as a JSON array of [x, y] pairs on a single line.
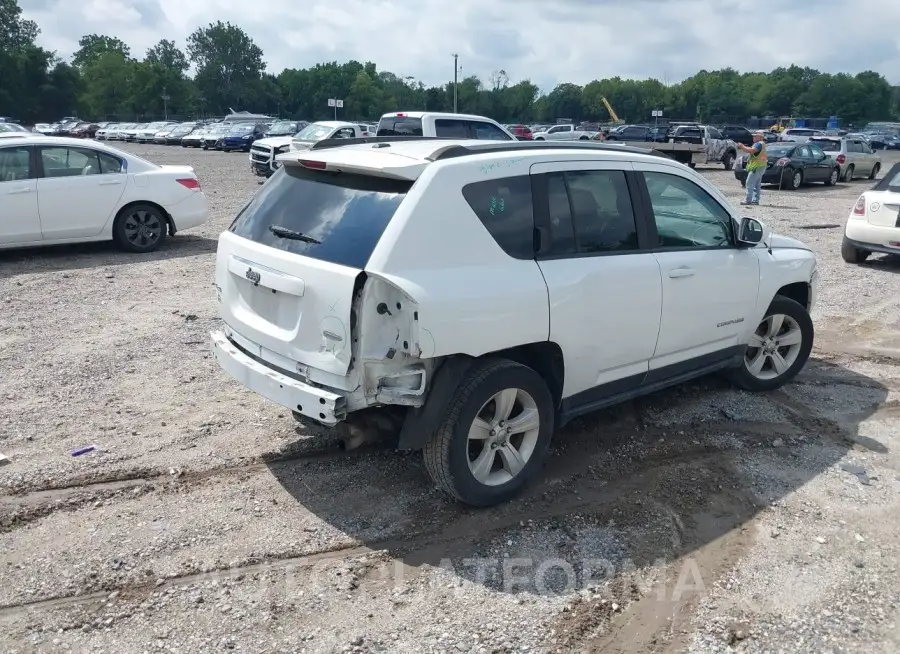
[[569, 40]]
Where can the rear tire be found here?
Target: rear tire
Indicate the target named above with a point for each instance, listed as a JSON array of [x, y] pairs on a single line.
[[479, 454], [795, 181], [139, 228], [851, 253], [848, 176], [778, 348], [875, 170]]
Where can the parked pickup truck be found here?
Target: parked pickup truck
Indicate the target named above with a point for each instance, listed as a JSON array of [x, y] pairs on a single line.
[[564, 133], [264, 151], [716, 148]]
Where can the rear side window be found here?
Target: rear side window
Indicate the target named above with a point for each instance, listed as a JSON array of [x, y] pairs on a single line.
[[488, 132], [399, 126], [451, 129], [504, 207], [334, 217], [590, 213]]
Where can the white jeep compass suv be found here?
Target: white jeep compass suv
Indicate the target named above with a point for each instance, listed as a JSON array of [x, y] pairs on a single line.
[[474, 296]]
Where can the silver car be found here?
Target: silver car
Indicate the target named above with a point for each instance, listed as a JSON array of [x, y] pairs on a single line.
[[854, 155], [800, 134]]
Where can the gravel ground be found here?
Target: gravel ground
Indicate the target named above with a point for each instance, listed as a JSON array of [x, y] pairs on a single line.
[[699, 519]]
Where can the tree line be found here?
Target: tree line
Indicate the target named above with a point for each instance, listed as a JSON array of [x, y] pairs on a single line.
[[221, 68]]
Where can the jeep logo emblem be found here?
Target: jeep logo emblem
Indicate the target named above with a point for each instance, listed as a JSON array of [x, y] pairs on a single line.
[[253, 276]]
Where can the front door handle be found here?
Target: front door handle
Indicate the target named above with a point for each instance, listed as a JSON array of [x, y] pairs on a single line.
[[681, 272], [20, 191], [112, 182]]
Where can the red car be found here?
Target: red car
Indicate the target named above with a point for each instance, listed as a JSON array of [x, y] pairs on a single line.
[[521, 132]]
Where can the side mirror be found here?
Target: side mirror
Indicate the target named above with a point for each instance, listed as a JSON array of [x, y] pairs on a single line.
[[751, 232]]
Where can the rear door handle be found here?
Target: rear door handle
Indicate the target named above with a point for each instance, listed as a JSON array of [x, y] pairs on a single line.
[[681, 272], [20, 191]]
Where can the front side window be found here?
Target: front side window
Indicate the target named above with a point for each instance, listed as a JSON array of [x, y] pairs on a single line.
[[15, 164], [686, 216], [504, 207]]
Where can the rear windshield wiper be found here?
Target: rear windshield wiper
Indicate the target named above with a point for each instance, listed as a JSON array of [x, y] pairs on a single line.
[[284, 232]]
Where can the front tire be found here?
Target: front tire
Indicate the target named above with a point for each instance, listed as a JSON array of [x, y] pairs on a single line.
[[833, 177], [728, 160], [852, 254], [778, 348], [494, 435], [139, 228]]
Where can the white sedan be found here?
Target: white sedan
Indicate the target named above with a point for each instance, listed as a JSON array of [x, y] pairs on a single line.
[[57, 190]]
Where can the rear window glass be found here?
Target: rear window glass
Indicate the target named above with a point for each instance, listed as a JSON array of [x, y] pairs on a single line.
[[504, 207], [399, 126], [334, 217]]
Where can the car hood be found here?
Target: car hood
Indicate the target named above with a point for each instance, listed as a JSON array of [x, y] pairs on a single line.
[[780, 241], [275, 141]]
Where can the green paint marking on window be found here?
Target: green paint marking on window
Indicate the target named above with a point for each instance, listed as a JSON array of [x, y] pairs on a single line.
[[497, 206]]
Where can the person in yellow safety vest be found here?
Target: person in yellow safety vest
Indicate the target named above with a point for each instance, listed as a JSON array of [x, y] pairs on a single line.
[[756, 167]]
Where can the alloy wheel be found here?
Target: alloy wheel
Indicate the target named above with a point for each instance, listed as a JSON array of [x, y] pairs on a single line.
[[503, 437], [773, 347]]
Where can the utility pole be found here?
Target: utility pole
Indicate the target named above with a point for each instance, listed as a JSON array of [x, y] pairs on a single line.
[[165, 98], [455, 80]]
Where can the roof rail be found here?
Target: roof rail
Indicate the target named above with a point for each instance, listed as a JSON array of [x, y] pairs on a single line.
[[337, 143], [457, 150]]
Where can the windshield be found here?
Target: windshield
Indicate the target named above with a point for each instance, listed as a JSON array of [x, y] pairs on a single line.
[[241, 129], [158, 125], [828, 145], [342, 218], [313, 132], [11, 127], [283, 127]]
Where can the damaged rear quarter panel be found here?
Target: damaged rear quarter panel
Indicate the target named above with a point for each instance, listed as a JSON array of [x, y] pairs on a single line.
[[388, 345]]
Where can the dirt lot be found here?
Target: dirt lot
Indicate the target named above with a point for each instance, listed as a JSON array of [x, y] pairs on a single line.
[[700, 519]]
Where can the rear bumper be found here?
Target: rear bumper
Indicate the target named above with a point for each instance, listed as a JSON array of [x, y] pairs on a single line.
[[874, 238], [319, 405], [190, 212]]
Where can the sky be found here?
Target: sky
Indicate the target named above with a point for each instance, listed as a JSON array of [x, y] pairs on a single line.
[[548, 42]]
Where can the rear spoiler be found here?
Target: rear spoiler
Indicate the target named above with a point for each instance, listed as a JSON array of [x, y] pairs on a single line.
[[324, 144]]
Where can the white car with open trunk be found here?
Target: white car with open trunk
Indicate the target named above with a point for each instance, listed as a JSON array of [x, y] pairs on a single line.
[[469, 297]]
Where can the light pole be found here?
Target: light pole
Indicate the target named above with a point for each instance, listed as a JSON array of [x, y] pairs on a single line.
[[455, 80]]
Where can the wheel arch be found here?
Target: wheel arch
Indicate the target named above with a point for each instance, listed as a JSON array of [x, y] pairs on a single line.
[[545, 358], [799, 292], [169, 222]]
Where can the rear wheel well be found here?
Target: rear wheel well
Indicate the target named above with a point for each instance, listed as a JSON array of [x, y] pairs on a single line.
[[798, 292], [169, 222], [545, 358]]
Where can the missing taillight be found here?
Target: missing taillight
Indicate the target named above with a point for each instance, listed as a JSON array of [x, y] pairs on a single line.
[[190, 182]]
